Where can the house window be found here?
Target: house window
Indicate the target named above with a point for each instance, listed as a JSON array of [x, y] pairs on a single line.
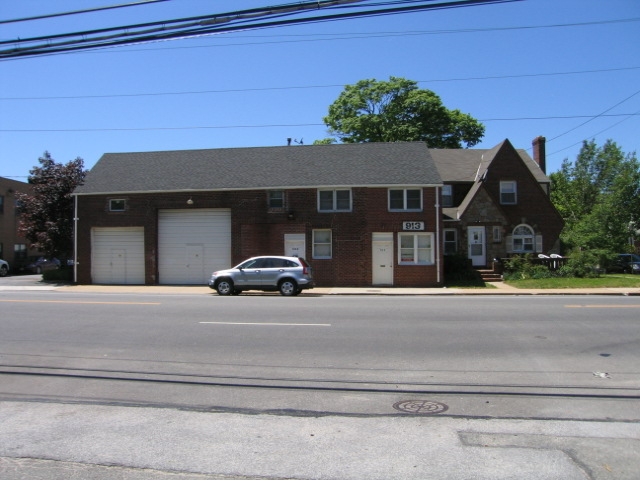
[[405, 199], [508, 192], [450, 241], [447, 196], [415, 249], [276, 199], [497, 234], [117, 205], [523, 239], [1, 204], [20, 252], [322, 244], [337, 200]]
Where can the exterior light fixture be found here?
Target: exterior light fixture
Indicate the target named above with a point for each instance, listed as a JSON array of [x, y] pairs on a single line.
[[190, 201]]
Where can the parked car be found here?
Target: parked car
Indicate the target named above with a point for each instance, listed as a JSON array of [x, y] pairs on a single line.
[[4, 268], [289, 275], [43, 264], [627, 263]]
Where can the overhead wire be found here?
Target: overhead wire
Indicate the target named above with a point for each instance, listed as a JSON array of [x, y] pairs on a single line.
[[197, 26]]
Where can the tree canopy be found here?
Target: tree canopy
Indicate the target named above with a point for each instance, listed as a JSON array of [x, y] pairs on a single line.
[[598, 196], [397, 110], [46, 216]]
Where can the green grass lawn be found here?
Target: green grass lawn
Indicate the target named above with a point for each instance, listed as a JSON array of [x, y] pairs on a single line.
[[606, 280]]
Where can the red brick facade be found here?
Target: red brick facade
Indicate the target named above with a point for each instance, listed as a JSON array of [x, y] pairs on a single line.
[[258, 230]]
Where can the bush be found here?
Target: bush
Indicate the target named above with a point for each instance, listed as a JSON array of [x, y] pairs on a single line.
[[458, 270], [64, 274], [589, 263]]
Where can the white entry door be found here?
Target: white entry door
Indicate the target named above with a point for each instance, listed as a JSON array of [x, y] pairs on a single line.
[[382, 259], [294, 245], [477, 248]]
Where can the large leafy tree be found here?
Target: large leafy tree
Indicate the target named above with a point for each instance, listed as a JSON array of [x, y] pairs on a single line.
[[397, 110], [598, 196], [46, 216]]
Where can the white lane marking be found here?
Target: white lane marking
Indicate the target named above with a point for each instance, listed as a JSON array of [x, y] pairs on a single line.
[[263, 324]]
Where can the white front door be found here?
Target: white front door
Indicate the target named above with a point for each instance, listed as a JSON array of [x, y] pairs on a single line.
[[294, 245], [382, 260], [477, 251]]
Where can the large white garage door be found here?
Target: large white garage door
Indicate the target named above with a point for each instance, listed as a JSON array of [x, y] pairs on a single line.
[[192, 243], [117, 255]]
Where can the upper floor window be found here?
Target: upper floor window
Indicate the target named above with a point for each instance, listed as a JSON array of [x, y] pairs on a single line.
[[447, 196], [117, 205], [405, 199], [336, 200], [276, 199], [1, 204], [508, 192]]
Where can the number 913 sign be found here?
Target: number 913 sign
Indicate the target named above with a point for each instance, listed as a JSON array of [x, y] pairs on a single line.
[[409, 225]]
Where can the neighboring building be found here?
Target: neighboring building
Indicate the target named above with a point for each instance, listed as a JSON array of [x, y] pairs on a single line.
[[362, 214], [496, 202], [13, 248]]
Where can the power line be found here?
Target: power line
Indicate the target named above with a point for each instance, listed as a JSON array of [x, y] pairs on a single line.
[[301, 87], [75, 12], [203, 127], [233, 21]]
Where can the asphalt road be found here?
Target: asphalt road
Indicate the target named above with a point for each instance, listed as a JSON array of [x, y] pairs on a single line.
[[318, 387]]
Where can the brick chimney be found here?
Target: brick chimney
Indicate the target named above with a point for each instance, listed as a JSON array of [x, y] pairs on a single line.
[[539, 153]]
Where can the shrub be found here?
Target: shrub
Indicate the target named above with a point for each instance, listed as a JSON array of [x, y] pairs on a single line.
[[64, 274]]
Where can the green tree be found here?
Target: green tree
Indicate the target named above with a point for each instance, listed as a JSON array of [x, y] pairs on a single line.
[[397, 110], [598, 196], [46, 217]]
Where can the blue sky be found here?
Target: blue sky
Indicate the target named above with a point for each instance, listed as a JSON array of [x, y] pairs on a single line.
[[568, 70]]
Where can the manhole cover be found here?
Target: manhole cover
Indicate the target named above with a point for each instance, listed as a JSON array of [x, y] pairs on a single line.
[[420, 407]]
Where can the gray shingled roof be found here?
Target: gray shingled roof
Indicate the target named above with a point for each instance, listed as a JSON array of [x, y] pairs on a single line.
[[369, 164], [461, 165]]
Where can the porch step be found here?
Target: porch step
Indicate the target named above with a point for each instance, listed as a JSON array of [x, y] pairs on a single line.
[[489, 275]]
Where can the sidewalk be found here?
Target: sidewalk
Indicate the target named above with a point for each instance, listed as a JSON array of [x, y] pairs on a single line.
[[497, 289]]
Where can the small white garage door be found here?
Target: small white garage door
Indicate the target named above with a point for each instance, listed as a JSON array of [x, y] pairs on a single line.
[[117, 255], [192, 243]]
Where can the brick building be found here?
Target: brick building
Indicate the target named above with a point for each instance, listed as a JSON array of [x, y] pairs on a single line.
[[361, 214], [13, 248]]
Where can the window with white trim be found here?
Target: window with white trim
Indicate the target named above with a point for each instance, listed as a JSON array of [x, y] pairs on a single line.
[[405, 199], [497, 234], [322, 244], [447, 196], [450, 241], [336, 200], [415, 249], [508, 192], [523, 239]]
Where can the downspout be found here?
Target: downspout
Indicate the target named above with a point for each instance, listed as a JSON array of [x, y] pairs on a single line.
[[75, 239], [438, 233]]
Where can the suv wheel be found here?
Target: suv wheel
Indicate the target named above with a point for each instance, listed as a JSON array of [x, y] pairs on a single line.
[[289, 287], [3, 271], [224, 287]]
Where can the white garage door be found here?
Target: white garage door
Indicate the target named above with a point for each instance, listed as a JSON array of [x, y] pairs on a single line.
[[192, 243], [117, 255]]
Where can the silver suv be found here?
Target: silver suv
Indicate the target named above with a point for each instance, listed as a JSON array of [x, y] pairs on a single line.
[[289, 275]]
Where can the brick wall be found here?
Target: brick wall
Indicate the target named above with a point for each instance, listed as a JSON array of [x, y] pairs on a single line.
[[256, 230]]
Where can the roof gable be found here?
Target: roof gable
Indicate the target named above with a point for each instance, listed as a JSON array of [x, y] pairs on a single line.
[[369, 164]]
